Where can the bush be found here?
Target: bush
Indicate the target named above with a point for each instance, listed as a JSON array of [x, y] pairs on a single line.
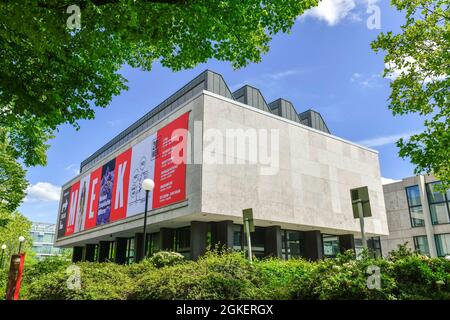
[[404, 275], [280, 278], [346, 278], [98, 281], [213, 276], [166, 259], [35, 269]]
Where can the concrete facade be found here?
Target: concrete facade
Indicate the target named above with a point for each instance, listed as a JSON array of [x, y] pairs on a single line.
[[400, 213], [311, 188], [298, 186]]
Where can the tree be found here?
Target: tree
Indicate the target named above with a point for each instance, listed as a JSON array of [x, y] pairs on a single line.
[[12, 177], [418, 61], [12, 226], [51, 74]]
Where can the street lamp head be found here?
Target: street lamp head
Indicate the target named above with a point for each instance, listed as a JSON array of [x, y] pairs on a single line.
[[21, 239], [148, 184], [3, 246]]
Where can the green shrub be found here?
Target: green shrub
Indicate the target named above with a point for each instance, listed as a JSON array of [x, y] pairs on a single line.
[[219, 275], [99, 281], [40, 268], [166, 258], [419, 277], [346, 278], [280, 277], [213, 276]]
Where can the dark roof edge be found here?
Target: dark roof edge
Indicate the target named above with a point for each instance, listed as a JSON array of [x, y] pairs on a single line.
[[146, 116]]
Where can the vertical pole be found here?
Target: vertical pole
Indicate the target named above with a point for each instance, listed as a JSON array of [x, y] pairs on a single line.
[[1, 260], [249, 241], [361, 222], [144, 247]]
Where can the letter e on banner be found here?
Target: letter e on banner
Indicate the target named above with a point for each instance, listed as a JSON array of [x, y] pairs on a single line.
[[93, 195]]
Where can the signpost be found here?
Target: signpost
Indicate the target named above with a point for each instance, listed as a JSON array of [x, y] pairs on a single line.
[[15, 276], [249, 226], [361, 208]]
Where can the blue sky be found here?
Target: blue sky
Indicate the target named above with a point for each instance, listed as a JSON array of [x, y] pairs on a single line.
[[326, 63]]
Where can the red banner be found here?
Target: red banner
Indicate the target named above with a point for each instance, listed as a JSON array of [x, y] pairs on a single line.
[[19, 276], [73, 206], [92, 205], [170, 163], [113, 191], [120, 190]]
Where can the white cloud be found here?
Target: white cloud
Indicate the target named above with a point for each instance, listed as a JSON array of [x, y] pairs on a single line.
[[42, 191], [385, 140], [113, 123], [371, 81], [335, 11], [282, 74], [331, 11], [409, 64], [388, 180], [355, 76], [73, 168], [266, 79]]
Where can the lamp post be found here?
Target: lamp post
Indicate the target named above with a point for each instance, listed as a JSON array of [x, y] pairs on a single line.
[[3, 254], [21, 240], [148, 185]]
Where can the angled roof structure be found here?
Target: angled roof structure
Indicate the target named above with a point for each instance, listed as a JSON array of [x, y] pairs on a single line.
[[285, 109], [314, 120], [213, 82], [251, 96]]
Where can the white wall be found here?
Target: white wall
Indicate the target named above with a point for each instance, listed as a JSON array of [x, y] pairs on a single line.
[[311, 189]]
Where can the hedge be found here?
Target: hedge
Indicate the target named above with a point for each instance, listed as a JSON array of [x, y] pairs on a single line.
[[403, 275]]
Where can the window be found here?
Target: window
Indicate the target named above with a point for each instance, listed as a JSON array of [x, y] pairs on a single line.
[[257, 239], [130, 251], [374, 245], [415, 206], [330, 245], [48, 238], [153, 243], [421, 245], [183, 241], [439, 204], [237, 237], [291, 244], [442, 244]]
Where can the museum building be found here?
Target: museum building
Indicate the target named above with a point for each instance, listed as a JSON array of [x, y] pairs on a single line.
[[212, 153]]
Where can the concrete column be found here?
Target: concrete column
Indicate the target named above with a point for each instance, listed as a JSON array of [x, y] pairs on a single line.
[[77, 254], [121, 251], [346, 242], [313, 245], [167, 238], [222, 234], [199, 232], [138, 246], [272, 242], [103, 251], [89, 252], [427, 217]]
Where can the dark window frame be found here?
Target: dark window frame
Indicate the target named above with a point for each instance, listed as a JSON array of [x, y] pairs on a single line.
[[415, 241], [285, 246], [436, 236], [411, 219], [446, 201]]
